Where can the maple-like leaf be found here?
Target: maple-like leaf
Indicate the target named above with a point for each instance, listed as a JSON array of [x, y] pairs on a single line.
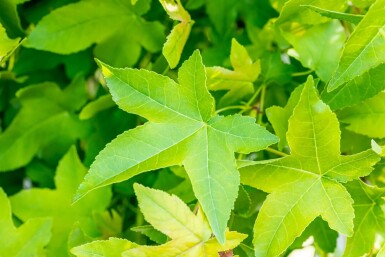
[[182, 129], [40, 202], [45, 116], [240, 80], [369, 217], [27, 240], [307, 183], [190, 234]]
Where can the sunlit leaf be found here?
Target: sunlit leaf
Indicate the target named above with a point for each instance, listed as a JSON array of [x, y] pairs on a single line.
[[239, 81], [314, 170], [364, 49], [40, 202], [202, 142], [27, 240], [178, 36]]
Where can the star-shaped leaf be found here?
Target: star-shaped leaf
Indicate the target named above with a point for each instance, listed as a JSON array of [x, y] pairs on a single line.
[[369, 217], [40, 202], [190, 234], [27, 240], [307, 183], [176, 40], [240, 80], [182, 129]]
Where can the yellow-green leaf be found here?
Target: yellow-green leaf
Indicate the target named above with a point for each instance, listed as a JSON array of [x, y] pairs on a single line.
[[365, 48], [239, 82], [201, 141], [190, 234], [314, 170], [176, 40]]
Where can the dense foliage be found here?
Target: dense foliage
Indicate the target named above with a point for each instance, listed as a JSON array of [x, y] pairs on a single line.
[[192, 128]]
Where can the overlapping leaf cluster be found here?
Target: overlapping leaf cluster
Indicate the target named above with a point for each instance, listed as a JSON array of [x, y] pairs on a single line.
[[192, 127]]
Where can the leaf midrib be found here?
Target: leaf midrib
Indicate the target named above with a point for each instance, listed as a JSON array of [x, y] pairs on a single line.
[[153, 100]]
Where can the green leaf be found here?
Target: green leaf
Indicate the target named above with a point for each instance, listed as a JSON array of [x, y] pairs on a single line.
[[113, 247], [279, 117], [223, 14], [92, 108], [240, 81], [71, 28], [40, 202], [314, 170], [27, 240], [364, 49], [294, 12], [10, 18], [190, 234], [369, 218], [352, 18], [366, 118], [358, 89], [7, 45], [176, 40], [45, 117], [324, 237], [151, 233], [323, 59], [203, 143]]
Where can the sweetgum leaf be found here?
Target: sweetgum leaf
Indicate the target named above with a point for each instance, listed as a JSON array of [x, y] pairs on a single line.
[[40, 202], [27, 240], [113, 247], [364, 49], [182, 130], [369, 217], [46, 116], [366, 118], [314, 170], [239, 82], [295, 12], [352, 18], [176, 40], [71, 28], [190, 234], [356, 90], [279, 116], [318, 47]]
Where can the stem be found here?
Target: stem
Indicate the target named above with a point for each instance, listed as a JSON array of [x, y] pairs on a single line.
[[272, 150], [166, 70], [230, 108], [302, 73], [252, 99], [261, 105]]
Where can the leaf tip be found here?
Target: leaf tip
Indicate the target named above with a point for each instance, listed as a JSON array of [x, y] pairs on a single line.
[[106, 69], [377, 148]]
